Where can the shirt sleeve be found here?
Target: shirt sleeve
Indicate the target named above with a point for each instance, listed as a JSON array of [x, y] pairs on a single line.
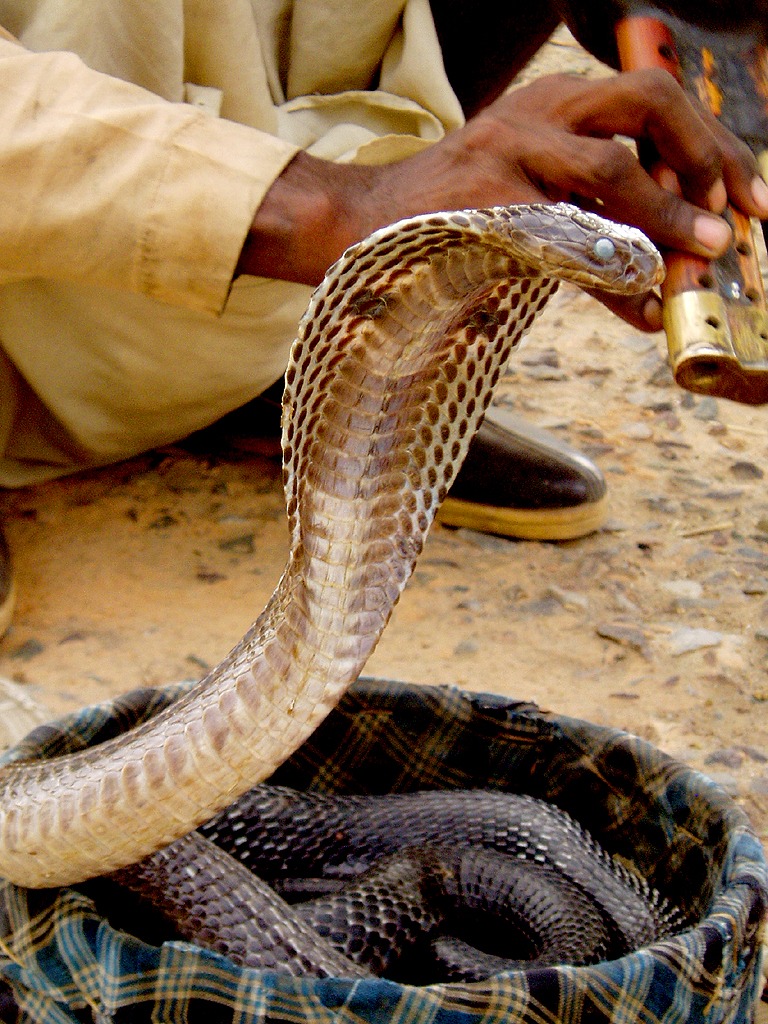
[[107, 184]]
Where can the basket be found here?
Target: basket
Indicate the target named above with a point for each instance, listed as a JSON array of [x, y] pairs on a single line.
[[63, 963]]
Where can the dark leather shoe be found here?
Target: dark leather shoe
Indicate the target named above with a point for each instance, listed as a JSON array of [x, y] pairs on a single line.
[[518, 481], [7, 586]]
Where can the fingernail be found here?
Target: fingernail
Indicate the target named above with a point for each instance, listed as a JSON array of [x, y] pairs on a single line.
[[711, 232], [760, 193], [717, 197], [653, 314]]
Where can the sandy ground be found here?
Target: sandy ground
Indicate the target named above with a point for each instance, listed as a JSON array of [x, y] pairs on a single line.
[[149, 571]]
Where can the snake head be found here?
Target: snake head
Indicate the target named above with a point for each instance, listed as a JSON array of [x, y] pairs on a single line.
[[590, 251]]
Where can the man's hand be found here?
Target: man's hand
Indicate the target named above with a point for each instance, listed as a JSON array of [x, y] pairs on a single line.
[[550, 141]]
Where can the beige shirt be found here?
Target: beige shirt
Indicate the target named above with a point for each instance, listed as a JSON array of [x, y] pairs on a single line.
[[138, 140]]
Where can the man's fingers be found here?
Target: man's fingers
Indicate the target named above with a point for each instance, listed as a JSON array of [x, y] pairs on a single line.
[[650, 105], [641, 311], [606, 176], [670, 220], [741, 176]]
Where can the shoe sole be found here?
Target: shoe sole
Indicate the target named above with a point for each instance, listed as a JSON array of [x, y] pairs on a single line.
[[526, 524]]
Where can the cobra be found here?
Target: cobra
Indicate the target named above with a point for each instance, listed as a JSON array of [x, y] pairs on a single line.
[[394, 365], [426, 886]]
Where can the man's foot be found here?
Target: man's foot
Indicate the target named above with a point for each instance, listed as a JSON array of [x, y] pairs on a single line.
[[518, 481], [7, 586]]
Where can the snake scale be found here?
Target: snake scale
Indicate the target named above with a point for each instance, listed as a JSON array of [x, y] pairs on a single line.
[[394, 365]]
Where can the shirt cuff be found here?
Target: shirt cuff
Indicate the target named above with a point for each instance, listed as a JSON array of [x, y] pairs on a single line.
[[216, 175]]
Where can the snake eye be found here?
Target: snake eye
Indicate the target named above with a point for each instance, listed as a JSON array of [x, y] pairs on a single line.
[[604, 250]]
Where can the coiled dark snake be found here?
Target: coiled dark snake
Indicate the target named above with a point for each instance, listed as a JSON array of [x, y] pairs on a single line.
[[395, 363]]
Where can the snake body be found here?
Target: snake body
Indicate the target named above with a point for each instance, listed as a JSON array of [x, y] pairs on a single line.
[[387, 883], [394, 365]]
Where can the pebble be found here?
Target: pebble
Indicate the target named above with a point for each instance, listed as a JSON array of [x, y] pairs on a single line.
[[669, 419], [626, 636], [209, 576], [706, 409], [554, 423], [163, 521], [730, 654], [568, 598], [29, 649], [754, 555], [661, 377], [642, 398], [545, 373], [542, 357], [754, 754], [596, 449], [636, 431], [504, 401], [466, 648], [543, 606], [687, 480], [681, 605], [625, 604], [685, 640], [717, 495], [639, 343], [756, 585], [661, 503], [668, 454], [241, 545], [690, 589], [744, 470], [590, 370], [672, 442], [730, 757], [74, 637]]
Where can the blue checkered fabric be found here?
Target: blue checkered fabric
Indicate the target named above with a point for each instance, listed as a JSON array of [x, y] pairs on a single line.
[[65, 964]]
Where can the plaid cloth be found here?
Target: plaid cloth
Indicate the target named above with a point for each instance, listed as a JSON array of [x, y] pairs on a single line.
[[65, 964]]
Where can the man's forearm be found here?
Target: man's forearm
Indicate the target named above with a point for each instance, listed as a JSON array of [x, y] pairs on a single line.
[[311, 213]]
